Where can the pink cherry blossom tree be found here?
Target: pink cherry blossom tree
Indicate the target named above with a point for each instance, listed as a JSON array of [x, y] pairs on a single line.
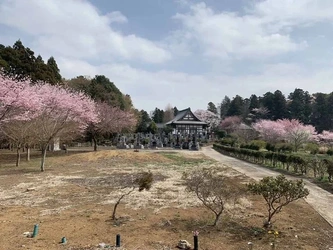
[[292, 131], [297, 133], [111, 120], [19, 103], [326, 136], [209, 117], [230, 123], [20, 134], [63, 113], [17, 99], [270, 131]]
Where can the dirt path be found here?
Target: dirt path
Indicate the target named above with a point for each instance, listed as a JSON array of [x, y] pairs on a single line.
[[319, 199]]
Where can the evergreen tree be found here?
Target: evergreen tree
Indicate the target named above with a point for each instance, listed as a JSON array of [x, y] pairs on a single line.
[[152, 128], [175, 111], [330, 111], [212, 108], [320, 117], [236, 106], [246, 109], [158, 115], [254, 102], [19, 62], [53, 67], [299, 105], [267, 102], [224, 107], [101, 89], [279, 106], [144, 122]]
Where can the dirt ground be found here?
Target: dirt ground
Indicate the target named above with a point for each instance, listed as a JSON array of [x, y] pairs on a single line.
[[74, 198], [321, 200]]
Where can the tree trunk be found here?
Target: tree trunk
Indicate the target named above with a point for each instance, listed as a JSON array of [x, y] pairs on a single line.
[[113, 217], [28, 153], [217, 217], [95, 144], [42, 166], [18, 155]]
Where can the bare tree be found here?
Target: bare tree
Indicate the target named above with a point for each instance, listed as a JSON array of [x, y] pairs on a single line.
[[142, 181], [168, 113], [213, 189]]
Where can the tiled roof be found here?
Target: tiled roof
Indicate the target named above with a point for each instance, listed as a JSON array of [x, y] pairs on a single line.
[[181, 115]]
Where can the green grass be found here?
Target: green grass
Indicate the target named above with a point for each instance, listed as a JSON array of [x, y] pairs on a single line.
[[183, 160]]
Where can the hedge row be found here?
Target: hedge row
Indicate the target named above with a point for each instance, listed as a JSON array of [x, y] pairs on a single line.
[[310, 167]]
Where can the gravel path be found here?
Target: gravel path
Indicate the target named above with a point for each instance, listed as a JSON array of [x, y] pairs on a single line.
[[319, 199]]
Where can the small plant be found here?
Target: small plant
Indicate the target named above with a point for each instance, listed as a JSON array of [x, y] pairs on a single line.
[[270, 147], [284, 147], [329, 152], [313, 148], [259, 143], [143, 181], [278, 192], [212, 189], [329, 166]]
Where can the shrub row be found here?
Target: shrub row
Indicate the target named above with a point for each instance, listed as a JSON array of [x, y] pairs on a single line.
[[289, 162]]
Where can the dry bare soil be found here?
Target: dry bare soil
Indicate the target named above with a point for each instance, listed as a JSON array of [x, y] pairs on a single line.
[[74, 198]]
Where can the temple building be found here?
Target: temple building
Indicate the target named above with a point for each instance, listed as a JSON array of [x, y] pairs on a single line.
[[186, 123]]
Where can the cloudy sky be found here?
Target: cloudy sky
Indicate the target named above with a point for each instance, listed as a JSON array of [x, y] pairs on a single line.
[[183, 52]]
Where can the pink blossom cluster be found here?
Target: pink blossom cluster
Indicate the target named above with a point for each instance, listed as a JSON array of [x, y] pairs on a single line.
[[113, 119], [290, 130], [20, 100], [17, 99], [209, 117], [326, 136], [230, 123]]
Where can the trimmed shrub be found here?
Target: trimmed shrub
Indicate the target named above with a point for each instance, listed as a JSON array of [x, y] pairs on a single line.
[[228, 141], [220, 134], [284, 147], [313, 148], [329, 152], [270, 147], [259, 143], [322, 150]]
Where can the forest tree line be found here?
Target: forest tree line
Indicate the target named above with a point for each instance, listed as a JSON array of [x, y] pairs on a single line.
[[313, 109]]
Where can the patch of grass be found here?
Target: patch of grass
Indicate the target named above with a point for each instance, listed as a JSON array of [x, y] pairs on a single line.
[[183, 159], [324, 184]]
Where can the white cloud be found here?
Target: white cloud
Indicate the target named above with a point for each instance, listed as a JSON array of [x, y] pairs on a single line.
[[76, 28], [84, 42], [116, 17], [231, 35], [294, 12], [157, 89]]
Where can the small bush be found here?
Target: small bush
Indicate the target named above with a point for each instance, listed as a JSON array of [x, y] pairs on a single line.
[[229, 141], [220, 134], [329, 152], [284, 147], [259, 143], [270, 147], [250, 146], [313, 148], [322, 150]]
